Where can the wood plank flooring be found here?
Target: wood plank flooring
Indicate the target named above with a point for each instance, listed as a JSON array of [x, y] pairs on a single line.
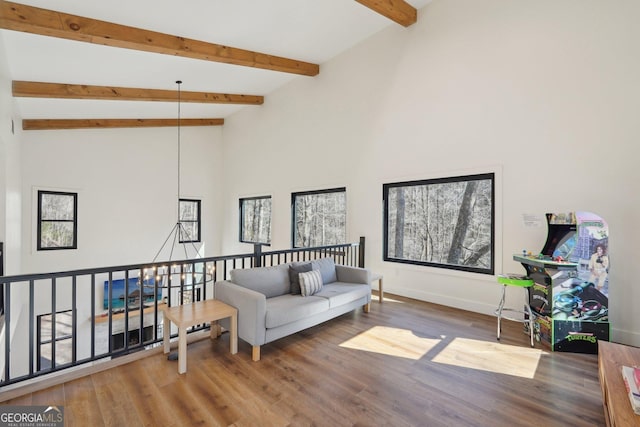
[[406, 363]]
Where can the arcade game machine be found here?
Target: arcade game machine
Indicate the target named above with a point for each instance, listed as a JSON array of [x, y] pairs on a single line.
[[570, 295]]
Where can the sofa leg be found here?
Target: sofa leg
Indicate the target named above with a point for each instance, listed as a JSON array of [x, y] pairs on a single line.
[[255, 353], [366, 307], [216, 330]]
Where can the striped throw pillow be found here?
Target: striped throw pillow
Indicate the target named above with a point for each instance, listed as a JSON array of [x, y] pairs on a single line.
[[310, 282]]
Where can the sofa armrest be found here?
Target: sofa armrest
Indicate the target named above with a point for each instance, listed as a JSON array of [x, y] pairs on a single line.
[[350, 274], [252, 310]]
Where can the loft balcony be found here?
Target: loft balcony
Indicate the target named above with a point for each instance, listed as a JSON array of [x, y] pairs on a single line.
[[56, 322]]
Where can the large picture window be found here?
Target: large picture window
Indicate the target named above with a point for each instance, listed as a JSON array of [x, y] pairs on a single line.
[[255, 220], [445, 222], [57, 220], [189, 220], [319, 218]]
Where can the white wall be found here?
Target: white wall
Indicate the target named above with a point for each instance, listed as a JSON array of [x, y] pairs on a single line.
[[10, 197], [126, 180], [10, 204], [544, 93]]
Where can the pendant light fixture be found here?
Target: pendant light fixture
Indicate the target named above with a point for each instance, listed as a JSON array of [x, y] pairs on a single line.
[[178, 229], [186, 273]]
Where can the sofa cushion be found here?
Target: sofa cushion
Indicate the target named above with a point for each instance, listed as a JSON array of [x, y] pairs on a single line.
[[340, 293], [327, 268], [270, 281], [310, 282], [294, 270], [291, 308]]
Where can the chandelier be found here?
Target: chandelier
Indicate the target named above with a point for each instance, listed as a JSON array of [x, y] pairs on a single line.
[[183, 275]]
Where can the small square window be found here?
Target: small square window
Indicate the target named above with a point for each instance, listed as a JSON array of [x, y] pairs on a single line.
[[189, 220], [57, 220], [255, 220], [319, 218]]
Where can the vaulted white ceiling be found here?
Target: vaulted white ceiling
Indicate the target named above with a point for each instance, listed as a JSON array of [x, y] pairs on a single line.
[[312, 31]]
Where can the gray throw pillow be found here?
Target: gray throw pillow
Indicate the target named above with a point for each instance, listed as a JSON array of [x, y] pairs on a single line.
[[310, 282], [294, 271], [327, 269]]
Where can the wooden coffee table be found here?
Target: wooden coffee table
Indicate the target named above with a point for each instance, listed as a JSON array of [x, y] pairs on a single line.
[[187, 315]]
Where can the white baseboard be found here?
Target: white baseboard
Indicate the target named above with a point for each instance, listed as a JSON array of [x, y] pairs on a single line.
[[617, 335], [625, 337], [447, 300]]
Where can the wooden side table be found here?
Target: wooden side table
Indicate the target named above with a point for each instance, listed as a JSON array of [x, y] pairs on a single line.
[[611, 358], [187, 315]]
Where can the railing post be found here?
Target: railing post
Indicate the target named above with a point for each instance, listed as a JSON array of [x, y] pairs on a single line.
[[361, 253], [257, 255]]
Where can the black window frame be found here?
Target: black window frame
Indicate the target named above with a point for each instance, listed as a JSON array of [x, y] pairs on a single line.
[[74, 244], [55, 338], [310, 193], [198, 221], [241, 210], [463, 178]]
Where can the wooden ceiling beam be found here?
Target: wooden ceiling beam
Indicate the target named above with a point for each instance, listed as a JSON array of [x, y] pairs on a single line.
[[397, 10], [29, 19], [25, 89], [57, 124]]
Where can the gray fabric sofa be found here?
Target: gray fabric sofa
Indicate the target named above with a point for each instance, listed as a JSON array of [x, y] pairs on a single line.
[[268, 310]]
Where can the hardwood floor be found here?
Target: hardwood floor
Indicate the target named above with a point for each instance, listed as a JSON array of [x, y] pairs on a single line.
[[406, 363]]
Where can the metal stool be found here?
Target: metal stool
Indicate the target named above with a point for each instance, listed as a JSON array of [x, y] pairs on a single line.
[[521, 282]]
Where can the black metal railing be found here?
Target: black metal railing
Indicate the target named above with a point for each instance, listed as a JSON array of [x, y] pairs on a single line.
[[55, 321]]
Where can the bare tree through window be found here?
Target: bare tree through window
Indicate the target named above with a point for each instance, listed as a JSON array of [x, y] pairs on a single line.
[[189, 220], [445, 222], [255, 220], [57, 220], [319, 217]]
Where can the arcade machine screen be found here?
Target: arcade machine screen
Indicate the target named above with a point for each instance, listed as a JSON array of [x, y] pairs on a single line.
[[561, 237]]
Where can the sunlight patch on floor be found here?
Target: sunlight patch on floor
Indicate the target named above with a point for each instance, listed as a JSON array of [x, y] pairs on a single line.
[[391, 342], [491, 357]]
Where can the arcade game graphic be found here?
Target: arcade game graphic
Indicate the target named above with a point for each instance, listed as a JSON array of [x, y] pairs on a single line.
[[584, 293], [571, 283]]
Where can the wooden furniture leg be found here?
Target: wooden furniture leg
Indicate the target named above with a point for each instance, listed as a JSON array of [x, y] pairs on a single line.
[[182, 350], [255, 353], [378, 277], [166, 333], [197, 313], [213, 331], [233, 339]]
